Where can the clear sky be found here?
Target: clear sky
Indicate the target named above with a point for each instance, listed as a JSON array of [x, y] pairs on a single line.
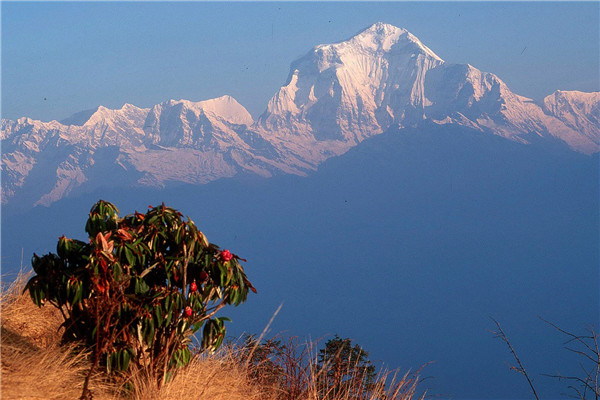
[[60, 58]]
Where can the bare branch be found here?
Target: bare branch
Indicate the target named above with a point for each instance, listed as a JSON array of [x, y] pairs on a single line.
[[589, 381], [500, 334]]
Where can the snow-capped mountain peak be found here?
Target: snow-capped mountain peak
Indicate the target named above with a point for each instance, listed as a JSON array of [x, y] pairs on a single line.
[[335, 96], [351, 90], [579, 111], [150, 143], [103, 115], [188, 123], [224, 107], [383, 37], [126, 115]]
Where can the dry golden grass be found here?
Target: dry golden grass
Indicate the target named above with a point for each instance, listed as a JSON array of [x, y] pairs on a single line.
[[36, 366], [220, 377], [19, 315]]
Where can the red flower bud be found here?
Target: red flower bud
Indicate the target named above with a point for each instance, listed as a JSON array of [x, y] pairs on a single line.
[[193, 287], [226, 255], [203, 276], [187, 312]]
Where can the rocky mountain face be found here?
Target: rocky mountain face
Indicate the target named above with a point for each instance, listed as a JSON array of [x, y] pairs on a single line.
[[340, 94], [336, 96], [579, 111]]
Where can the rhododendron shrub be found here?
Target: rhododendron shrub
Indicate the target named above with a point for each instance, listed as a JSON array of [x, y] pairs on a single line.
[[139, 289]]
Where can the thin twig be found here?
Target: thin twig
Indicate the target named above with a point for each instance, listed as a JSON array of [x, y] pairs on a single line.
[[263, 333], [500, 334]]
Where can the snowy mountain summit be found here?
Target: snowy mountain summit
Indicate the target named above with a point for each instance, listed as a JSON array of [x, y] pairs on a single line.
[[385, 76], [335, 96], [353, 89]]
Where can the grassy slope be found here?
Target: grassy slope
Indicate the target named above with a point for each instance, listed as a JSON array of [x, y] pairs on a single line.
[[36, 366]]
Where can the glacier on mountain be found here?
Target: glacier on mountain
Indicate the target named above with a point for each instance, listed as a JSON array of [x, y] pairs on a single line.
[[335, 96]]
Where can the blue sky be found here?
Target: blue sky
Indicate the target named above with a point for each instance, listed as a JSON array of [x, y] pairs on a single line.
[[60, 58]]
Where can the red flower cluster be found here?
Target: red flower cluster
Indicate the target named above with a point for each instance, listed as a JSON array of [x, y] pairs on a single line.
[[203, 276], [187, 312], [226, 255], [193, 287]]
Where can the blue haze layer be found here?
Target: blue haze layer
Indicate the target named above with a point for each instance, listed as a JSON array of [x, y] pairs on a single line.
[[407, 244]]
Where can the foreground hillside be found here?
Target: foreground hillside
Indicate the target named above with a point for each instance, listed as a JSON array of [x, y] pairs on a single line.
[[36, 366]]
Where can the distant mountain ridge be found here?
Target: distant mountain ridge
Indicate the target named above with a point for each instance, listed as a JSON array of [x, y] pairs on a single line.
[[336, 96]]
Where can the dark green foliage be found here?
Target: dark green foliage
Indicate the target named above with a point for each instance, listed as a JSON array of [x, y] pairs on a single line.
[[344, 368], [290, 369], [140, 288], [264, 361]]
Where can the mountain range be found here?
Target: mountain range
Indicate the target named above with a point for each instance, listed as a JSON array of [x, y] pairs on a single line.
[[335, 97]]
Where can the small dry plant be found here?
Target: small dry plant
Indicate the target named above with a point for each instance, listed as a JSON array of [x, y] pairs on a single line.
[[217, 376], [290, 369], [584, 386], [34, 364]]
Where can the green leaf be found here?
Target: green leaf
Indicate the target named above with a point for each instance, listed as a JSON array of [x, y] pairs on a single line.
[[78, 293], [158, 313], [129, 256], [125, 358], [141, 287]]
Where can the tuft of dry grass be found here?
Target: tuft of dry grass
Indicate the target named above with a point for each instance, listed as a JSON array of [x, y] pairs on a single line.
[[219, 376], [40, 326], [36, 366], [289, 370]]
